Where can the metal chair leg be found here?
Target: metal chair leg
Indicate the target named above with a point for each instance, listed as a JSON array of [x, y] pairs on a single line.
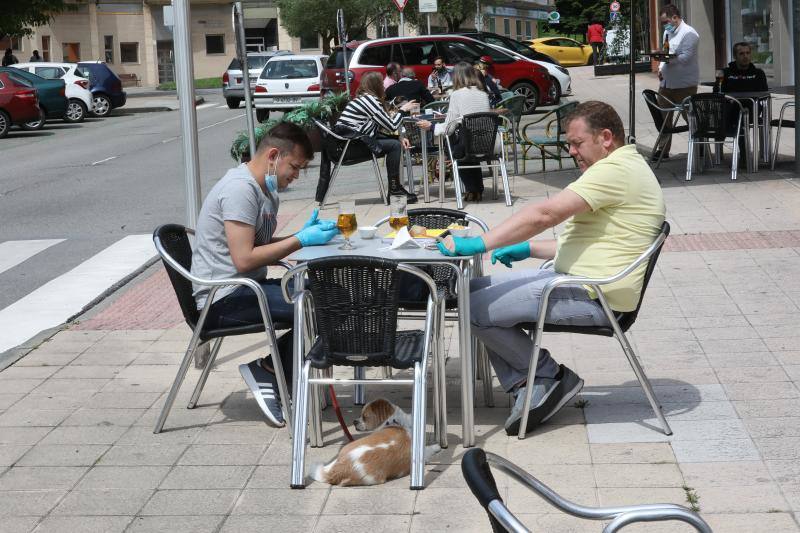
[[360, 391], [333, 175], [456, 185], [441, 360], [486, 372], [494, 182], [317, 440], [410, 173], [506, 185], [181, 375], [689, 160], [198, 389], [381, 189], [301, 423], [418, 429]]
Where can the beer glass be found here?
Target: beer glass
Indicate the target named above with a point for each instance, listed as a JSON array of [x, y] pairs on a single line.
[[347, 222], [398, 214]]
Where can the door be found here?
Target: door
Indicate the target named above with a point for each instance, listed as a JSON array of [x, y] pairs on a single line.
[[166, 62]]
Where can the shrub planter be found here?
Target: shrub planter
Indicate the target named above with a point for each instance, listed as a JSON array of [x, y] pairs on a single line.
[[613, 69]]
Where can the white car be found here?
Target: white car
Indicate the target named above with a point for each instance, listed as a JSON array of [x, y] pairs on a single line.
[[560, 74], [79, 97], [287, 82]]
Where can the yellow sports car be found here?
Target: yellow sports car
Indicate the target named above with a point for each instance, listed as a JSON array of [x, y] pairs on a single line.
[[569, 52]]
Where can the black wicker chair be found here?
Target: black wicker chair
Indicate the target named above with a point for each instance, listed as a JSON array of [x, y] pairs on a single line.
[[480, 134], [411, 131], [172, 243], [346, 152], [618, 322], [475, 467], [355, 307], [714, 117], [663, 120]]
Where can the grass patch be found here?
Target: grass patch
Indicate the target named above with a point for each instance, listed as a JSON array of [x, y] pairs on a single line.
[[200, 83], [692, 498]]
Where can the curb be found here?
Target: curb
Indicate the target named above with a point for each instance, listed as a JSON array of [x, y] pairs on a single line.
[[155, 109]]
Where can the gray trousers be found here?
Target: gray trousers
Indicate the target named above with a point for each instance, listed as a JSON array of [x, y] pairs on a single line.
[[501, 303]]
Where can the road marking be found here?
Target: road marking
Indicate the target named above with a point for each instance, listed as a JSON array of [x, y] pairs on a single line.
[[222, 106], [13, 253], [206, 106], [104, 160], [221, 122], [54, 302], [165, 141]]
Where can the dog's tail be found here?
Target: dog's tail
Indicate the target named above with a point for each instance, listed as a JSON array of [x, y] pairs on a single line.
[[319, 472]]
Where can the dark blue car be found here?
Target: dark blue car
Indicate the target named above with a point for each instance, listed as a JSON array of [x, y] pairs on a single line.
[[106, 87]]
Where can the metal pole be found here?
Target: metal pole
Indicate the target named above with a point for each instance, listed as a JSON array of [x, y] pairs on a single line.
[[796, 40], [343, 39], [478, 19], [429, 23], [632, 83], [241, 50], [402, 22], [184, 78]]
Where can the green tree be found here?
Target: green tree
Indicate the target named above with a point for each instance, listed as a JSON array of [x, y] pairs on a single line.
[[20, 16], [304, 17], [576, 15], [454, 12]]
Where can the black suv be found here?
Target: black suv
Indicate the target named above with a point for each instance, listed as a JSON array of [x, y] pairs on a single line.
[[510, 44]]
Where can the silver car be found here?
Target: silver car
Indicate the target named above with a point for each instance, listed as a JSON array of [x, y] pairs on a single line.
[[232, 87]]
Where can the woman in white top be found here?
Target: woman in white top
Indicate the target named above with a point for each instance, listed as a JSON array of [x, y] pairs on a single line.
[[468, 96]]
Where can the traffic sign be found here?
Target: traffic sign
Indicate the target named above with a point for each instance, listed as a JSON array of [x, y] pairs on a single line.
[[428, 6], [554, 17], [614, 15], [400, 4], [614, 7]]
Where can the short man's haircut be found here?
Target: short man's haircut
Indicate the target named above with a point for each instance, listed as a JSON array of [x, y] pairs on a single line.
[[742, 44], [392, 68], [285, 136], [670, 10], [598, 116], [409, 73], [438, 58]]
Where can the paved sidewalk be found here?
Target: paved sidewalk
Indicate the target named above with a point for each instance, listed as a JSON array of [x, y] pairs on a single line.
[[717, 336]]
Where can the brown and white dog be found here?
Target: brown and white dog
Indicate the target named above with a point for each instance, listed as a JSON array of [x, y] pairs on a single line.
[[383, 455]]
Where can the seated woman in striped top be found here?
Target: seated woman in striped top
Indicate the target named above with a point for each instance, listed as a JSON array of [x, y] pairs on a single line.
[[366, 115]]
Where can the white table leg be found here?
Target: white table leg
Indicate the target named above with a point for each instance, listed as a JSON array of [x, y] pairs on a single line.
[[465, 344]]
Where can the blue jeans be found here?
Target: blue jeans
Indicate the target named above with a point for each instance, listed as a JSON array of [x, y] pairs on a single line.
[[240, 308], [501, 303]]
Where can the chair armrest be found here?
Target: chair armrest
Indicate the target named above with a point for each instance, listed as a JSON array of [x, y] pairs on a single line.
[[547, 264], [539, 122], [290, 274]]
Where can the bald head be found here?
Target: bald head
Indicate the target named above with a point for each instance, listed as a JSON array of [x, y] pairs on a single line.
[[408, 72]]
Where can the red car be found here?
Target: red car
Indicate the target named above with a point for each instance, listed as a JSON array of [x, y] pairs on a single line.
[[518, 75], [19, 103]]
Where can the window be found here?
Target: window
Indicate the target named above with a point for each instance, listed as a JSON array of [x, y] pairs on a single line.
[[51, 73], [418, 53], [309, 40], [528, 34], [71, 52], [376, 55], [108, 44], [46, 47], [492, 25], [215, 44], [498, 56], [456, 51], [290, 70], [507, 27], [519, 29], [129, 52]]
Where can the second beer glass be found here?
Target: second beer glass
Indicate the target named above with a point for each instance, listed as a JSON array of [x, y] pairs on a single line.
[[347, 222], [398, 214]]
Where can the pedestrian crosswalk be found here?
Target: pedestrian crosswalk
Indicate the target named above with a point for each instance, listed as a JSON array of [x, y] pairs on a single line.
[[69, 293]]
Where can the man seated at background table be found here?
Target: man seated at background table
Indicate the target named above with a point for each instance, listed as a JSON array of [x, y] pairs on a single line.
[[613, 212], [235, 237], [440, 78], [741, 75], [408, 88]]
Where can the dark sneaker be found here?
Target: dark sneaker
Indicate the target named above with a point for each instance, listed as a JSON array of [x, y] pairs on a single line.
[[549, 396], [264, 386]]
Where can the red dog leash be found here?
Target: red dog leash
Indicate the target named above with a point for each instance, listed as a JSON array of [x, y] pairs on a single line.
[[338, 410]]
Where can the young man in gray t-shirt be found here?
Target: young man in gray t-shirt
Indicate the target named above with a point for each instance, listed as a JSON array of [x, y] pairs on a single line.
[[236, 237]]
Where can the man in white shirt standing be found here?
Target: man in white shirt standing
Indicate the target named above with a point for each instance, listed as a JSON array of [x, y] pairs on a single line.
[[679, 77]]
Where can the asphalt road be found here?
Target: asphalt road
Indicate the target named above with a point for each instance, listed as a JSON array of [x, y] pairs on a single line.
[[94, 183]]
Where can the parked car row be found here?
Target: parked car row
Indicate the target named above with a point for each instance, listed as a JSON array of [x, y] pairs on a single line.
[[282, 81], [67, 91]]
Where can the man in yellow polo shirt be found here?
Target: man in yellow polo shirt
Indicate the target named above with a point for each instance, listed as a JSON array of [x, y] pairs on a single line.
[[613, 212]]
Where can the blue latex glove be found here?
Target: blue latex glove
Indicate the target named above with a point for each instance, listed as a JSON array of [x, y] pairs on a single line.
[[319, 233], [313, 220], [509, 254], [463, 246]]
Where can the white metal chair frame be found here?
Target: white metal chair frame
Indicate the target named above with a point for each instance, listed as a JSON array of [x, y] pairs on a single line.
[[215, 284], [302, 303], [675, 109], [501, 164], [619, 516], [594, 283], [784, 107], [693, 141], [327, 131]]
